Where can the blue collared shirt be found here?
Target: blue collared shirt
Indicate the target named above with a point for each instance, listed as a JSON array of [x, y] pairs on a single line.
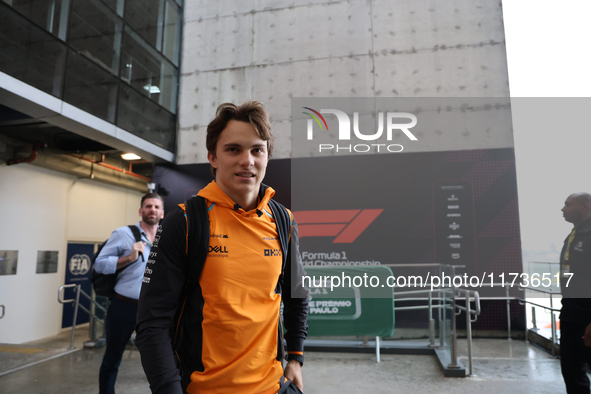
[[129, 281]]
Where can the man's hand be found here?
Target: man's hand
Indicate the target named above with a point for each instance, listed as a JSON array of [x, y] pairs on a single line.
[[136, 249], [587, 336], [293, 372]]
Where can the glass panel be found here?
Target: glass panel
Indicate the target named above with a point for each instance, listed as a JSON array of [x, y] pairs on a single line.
[[95, 32], [148, 71], [172, 33], [111, 3], [29, 53], [140, 116], [169, 81], [115, 5], [143, 16], [90, 88], [45, 13]]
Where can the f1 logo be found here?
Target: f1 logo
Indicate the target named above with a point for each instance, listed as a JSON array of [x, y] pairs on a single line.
[[346, 224]]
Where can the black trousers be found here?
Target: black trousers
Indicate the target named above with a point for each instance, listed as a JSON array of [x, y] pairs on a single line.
[[121, 319], [573, 357]]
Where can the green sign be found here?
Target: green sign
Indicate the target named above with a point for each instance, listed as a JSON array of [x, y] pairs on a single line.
[[346, 309]]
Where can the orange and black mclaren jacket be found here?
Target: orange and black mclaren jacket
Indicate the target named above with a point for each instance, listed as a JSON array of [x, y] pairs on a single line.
[[229, 340]]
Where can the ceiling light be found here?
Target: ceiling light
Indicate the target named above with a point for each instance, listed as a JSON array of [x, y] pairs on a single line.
[[130, 156], [152, 89]]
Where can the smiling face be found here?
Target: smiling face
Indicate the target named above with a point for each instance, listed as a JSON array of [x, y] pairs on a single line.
[[240, 161]]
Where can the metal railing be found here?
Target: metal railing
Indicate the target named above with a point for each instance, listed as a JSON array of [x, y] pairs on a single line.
[[553, 268], [469, 321], [469, 296], [552, 315], [429, 306], [93, 304], [523, 301], [508, 299], [471, 313], [475, 297]]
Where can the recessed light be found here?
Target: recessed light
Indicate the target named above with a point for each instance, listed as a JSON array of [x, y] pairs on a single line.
[[130, 156]]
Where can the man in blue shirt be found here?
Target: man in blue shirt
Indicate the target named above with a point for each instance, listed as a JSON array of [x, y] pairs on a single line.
[[122, 251]]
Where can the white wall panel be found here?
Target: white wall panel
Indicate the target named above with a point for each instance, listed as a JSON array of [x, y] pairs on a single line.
[[42, 210], [94, 212], [33, 206]]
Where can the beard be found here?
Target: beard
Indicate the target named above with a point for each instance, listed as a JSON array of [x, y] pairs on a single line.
[[151, 221]]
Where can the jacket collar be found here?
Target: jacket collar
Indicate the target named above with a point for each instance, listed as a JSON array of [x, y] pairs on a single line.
[[262, 191], [585, 227], [215, 194]]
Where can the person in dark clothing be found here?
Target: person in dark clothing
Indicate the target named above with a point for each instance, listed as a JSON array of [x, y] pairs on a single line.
[[575, 315]]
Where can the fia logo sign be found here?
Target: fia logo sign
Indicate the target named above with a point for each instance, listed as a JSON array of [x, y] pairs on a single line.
[[79, 264]]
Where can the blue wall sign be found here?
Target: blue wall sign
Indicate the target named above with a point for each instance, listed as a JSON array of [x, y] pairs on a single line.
[[78, 271]]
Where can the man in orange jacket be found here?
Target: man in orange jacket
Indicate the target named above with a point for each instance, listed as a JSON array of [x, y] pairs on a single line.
[[231, 343]]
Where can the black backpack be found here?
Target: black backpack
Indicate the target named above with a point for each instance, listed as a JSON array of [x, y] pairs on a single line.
[[104, 285], [198, 233]]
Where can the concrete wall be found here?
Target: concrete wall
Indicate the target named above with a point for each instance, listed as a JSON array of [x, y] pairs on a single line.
[[275, 50], [42, 209]]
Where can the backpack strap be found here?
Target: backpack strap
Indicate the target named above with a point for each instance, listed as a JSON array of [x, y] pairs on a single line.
[[283, 223], [197, 247], [197, 236], [136, 232], [137, 235]]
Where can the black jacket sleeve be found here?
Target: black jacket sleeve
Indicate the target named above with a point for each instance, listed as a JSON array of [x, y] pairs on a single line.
[[160, 297], [295, 296]]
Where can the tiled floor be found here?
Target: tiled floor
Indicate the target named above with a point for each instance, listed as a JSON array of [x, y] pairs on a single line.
[[500, 366]]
